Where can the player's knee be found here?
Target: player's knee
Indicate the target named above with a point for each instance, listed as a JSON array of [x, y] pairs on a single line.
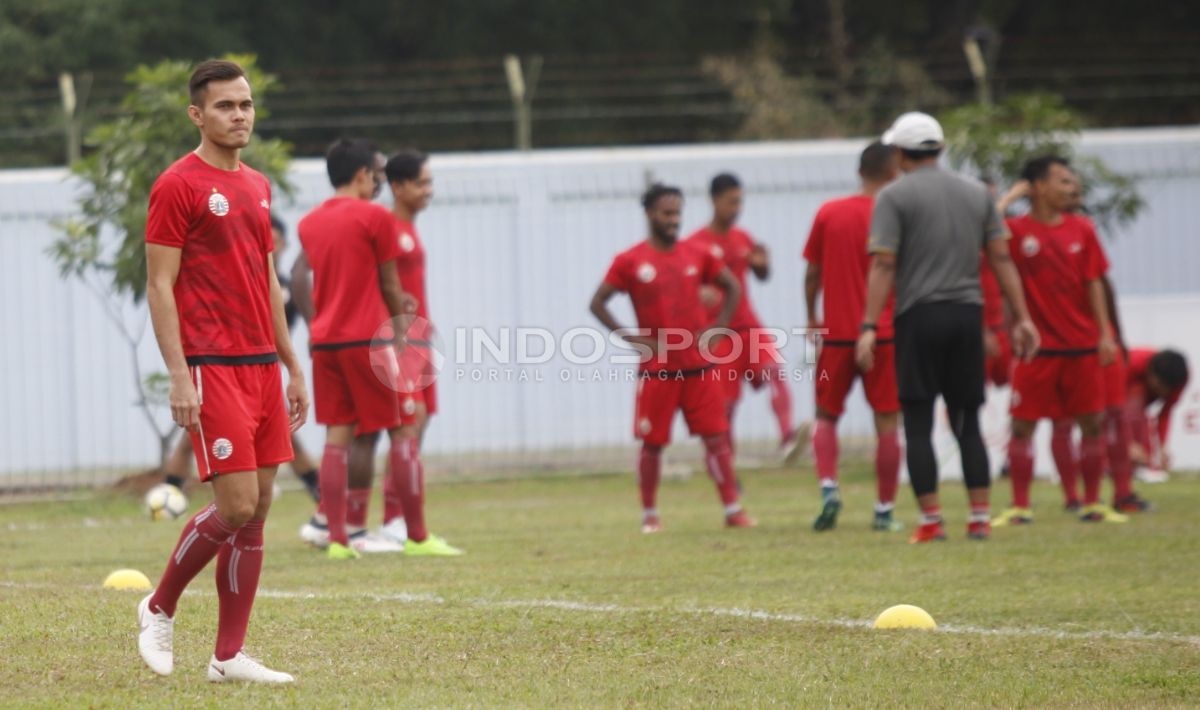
[[239, 511], [1023, 428], [1089, 425]]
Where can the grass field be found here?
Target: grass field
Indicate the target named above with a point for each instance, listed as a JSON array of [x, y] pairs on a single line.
[[562, 602]]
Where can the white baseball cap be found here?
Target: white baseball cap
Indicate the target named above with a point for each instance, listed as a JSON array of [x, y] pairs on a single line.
[[915, 131]]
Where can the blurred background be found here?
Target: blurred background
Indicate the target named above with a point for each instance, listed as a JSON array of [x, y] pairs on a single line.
[[546, 119]]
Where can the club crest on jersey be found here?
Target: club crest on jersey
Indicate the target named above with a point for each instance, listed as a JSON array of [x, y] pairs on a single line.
[[1030, 245], [407, 243], [222, 449], [691, 271], [265, 205], [646, 273], [717, 251], [218, 204], [1075, 248]]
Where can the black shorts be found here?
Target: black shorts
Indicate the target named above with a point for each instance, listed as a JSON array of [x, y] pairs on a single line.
[[939, 350]]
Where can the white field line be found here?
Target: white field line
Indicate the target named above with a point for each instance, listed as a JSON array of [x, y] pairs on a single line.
[[736, 613]]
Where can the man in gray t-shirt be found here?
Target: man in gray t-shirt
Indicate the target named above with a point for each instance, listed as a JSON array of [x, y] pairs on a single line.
[[927, 232], [945, 220]]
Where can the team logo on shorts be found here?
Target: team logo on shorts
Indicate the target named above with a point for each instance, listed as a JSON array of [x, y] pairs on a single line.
[[1014, 400], [644, 426], [218, 204], [222, 449], [646, 273], [717, 251], [410, 407], [407, 243], [1030, 245]]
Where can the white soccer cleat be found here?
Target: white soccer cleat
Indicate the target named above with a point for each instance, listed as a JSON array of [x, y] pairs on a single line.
[[369, 544], [155, 638], [317, 536], [396, 530], [244, 669], [1152, 475]]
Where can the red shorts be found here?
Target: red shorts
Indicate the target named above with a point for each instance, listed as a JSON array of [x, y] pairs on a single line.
[[353, 385], [701, 397], [1057, 386], [417, 383], [1114, 383], [243, 419], [747, 359], [837, 370], [999, 368]]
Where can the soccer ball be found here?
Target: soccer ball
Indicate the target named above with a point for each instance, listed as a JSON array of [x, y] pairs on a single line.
[[165, 502]]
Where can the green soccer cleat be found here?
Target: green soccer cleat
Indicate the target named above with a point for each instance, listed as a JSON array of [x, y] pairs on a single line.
[[338, 551], [884, 522], [1013, 516], [432, 546], [1100, 513], [827, 520]]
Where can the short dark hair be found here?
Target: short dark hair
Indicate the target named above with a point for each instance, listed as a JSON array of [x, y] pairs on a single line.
[[875, 160], [405, 165], [656, 192], [922, 154], [278, 225], [723, 183], [212, 70], [1039, 167], [1170, 367], [346, 157]]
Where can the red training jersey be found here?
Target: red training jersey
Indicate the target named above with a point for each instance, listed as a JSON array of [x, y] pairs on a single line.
[[410, 265], [345, 240], [1135, 381], [733, 250], [993, 299], [838, 245], [665, 289], [1056, 263], [221, 221]]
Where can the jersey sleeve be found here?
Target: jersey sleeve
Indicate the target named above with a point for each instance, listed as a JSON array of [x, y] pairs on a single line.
[[170, 212], [885, 225], [618, 274], [710, 267], [1097, 262], [384, 244], [268, 237], [814, 248]]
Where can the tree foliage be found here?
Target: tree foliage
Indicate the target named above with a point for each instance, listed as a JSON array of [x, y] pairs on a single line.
[[106, 239], [996, 140]]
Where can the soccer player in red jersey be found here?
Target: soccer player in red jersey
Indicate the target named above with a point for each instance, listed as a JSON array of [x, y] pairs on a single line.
[[1061, 264], [349, 246], [411, 183], [997, 347], [747, 355], [838, 264], [218, 316], [1153, 377], [663, 280]]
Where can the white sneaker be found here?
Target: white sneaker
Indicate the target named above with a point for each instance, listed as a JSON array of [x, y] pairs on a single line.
[[244, 668], [1152, 475], [155, 638], [395, 530], [315, 535], [369, 543]]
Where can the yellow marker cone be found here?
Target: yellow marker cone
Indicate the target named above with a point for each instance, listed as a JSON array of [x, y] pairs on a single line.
[[905, 616], [127, 579]]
